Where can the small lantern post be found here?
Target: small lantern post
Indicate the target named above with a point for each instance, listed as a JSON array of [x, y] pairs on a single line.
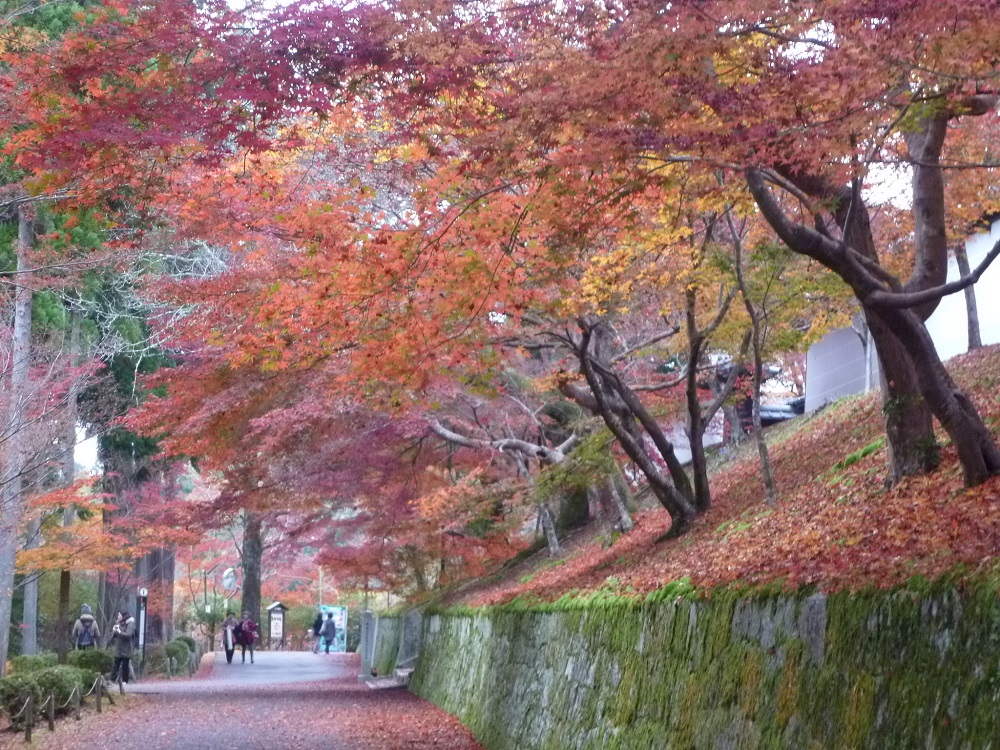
[[276, 625]]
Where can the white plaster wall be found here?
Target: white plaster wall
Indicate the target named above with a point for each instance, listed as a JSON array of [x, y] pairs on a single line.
[[948, 325], [835, 365]]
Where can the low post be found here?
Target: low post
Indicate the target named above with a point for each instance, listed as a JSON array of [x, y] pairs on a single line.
[[99, 691], [367, 645], [29, 718], [51, 713], [76, 703]]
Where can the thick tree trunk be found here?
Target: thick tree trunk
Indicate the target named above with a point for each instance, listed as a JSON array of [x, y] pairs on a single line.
[[11, 501], [909, 425], [971, 308], [907, 416], [29, 615], [889, 310], [253, 552], [977, 451]]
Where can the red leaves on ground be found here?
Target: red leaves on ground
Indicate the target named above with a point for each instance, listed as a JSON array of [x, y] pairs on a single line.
[[338, 714], [835, 528]]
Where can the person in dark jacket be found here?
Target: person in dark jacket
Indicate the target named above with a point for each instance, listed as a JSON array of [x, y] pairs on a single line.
[[246, 636], [121, 646], [317, 629], [329, 631], [86, 634]]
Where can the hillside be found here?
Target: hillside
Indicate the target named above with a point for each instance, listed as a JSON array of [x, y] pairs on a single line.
[[835, 525]]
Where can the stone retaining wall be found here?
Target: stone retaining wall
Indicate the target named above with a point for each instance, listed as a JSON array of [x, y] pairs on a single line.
[[877, 670]]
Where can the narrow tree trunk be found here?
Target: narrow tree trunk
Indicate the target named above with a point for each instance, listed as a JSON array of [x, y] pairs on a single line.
[[695, 420], [253, 551], [62, 618], [549, 529], [11, 502], [617, 503], [622, 489], [68, 472], [971, 309], [766, 472], [732, 417], [756, 315], [620, 419]]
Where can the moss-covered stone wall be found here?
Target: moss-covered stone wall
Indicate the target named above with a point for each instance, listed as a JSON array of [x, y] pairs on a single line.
[[877, 670]]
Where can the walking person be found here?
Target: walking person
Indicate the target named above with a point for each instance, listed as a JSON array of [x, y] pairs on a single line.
[[246, 635], [317, 631], [229, 628], [86, 634], [329, 631], [121, 646]]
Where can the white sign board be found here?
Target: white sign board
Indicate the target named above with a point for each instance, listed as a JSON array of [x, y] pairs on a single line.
[[277, 623]]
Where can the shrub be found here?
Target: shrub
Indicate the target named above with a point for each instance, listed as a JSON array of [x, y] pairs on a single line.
[[60, 682], [92, 660], [14, 691], [156, 659], [189, 641], [179, 652], [30, 663]]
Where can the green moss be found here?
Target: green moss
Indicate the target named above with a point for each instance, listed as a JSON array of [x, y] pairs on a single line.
[[789, 685], [752, 670], [627, 698], [859, 713], [894, 669]]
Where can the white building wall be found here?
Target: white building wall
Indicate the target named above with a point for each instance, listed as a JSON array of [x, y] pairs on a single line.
[[949, 325], [835, 365]]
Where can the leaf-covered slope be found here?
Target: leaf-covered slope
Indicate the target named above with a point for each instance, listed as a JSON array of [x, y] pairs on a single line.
[[835, 525]]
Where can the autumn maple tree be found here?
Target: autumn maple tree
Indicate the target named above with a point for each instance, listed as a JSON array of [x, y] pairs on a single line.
[[410, 252]]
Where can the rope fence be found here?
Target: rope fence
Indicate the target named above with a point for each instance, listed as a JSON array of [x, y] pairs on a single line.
[[99, 689], [29, 710]]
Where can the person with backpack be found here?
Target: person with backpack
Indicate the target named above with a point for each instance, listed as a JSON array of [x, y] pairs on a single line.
[[86, 634], [246, 635], [122, 646], [329, 631], [317, 631]]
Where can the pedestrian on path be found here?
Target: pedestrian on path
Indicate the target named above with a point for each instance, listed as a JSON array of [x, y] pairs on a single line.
[[86, 634], [317, 631], [121, 646], [246, 635], [229, 626], [329, 631]]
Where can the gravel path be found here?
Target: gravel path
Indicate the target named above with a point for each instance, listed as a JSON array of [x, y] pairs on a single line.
[[285, 701]]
